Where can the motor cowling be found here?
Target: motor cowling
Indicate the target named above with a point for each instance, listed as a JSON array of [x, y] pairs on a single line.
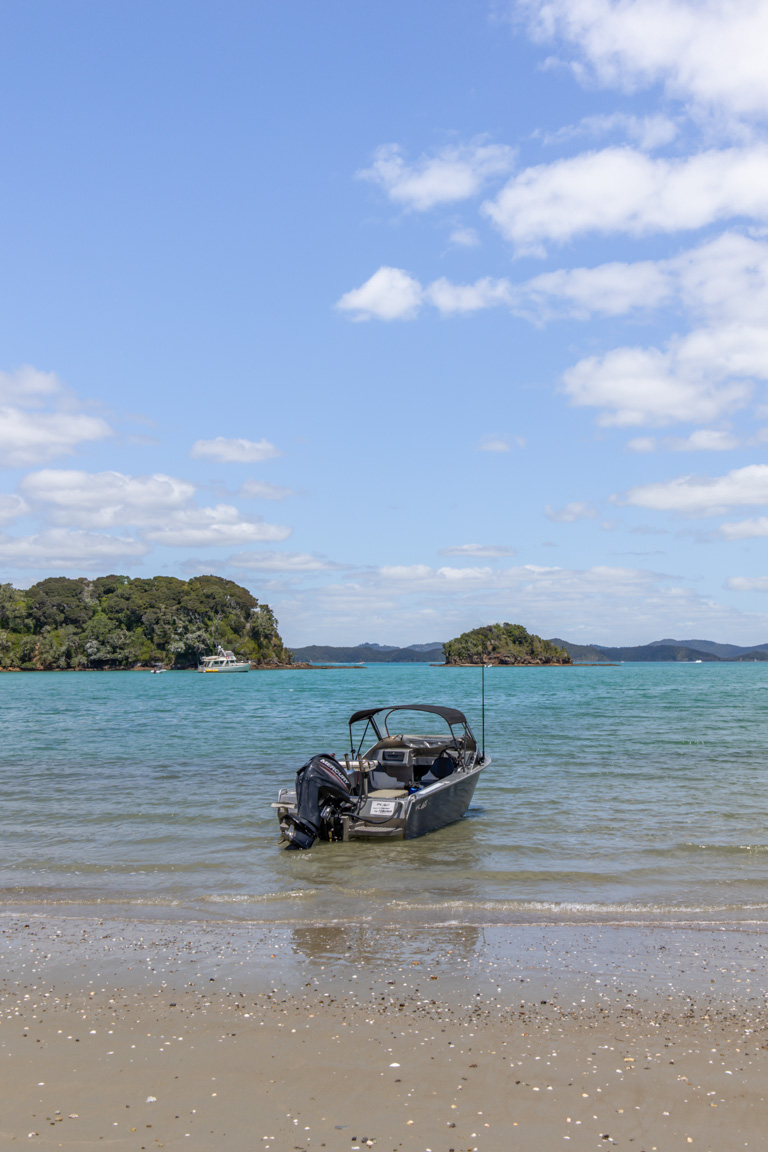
[[322, 789]]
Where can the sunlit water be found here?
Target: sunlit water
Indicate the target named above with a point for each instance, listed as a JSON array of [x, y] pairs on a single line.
[[636, 792]]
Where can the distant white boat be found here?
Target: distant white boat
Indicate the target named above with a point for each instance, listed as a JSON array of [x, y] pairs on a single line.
[[223, 661]]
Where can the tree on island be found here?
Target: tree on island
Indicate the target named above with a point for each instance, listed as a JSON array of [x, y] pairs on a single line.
[[118, 622], [503, 644]]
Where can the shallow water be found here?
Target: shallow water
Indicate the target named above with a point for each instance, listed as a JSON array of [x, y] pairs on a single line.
[[628, 793]]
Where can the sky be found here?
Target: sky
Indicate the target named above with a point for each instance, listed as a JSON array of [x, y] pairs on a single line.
[[407, 317]]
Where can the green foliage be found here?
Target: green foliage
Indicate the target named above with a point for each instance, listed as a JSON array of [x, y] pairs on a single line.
[[117, 622], [503, 644]]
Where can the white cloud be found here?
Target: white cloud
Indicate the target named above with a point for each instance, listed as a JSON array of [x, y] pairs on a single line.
[[704, 440], [609, 289], [555, 202], [605, 604], [705, 496], [747, 583], [11, 507], [235, 451], [35, 437], [282, 562], [686, 383], [711, 54], [29, 435], [642, 444], [390, 294], [745, 529], [648, 132], [576, 510], [105, 499], [406, 571], [450, 298], [493, 444], [59, 548], [464, 238], [489, 551], [28, 387], [222, 525], [449, 175], [261, 490]]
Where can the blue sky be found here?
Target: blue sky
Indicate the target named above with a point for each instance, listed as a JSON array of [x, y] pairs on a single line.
[[408, 317]]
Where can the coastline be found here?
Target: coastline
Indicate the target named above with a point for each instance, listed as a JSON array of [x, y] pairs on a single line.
[[158, 1034]]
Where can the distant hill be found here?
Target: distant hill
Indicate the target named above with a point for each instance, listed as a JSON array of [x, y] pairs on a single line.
[[724, 651], [666, 650], [368, 653]]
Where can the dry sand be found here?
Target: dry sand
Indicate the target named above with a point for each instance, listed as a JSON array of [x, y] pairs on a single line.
[[193, 1036]]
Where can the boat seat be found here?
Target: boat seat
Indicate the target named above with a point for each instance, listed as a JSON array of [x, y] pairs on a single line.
[[388, 793]]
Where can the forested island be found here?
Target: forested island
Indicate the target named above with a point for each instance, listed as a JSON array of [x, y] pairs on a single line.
[[115, 622], [503, 644]]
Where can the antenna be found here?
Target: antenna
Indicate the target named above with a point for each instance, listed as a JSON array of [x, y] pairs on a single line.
[[482, 675]]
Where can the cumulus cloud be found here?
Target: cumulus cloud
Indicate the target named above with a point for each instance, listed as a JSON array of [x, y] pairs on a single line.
[[390, 294], [485, 293], [11, 507], [282, 562], [557, 201], [745, 529], [612, 289], [576, 510], [444, 177], [705, 496], [40, 420], [709, 54], [704, 440], [220, 526], [60, 548], [261, 490], [687, 382], [489, 551], [28, 386], [105, 499], [235, 451], [723, 281], [747, 583], [648, 132]]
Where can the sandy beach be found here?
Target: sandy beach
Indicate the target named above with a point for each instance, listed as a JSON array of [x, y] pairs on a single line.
[[202, 1036]]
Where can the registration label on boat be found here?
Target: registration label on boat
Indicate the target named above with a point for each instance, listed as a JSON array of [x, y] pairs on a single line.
[[382, 807]]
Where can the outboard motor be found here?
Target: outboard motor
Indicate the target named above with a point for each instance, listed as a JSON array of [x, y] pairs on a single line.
[[322, 788]]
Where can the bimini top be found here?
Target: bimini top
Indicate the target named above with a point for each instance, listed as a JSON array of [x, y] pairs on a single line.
[[451, 715]]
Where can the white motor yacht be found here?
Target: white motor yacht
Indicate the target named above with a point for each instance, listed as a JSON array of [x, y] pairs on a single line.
[[223, 661]]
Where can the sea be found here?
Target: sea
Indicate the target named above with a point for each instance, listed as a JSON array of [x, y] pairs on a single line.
[[625, 794]]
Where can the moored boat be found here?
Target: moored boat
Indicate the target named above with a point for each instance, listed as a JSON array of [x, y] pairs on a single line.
[[403, 785], [223, 661]]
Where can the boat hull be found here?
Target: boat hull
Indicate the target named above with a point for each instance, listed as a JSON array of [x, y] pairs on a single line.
[[410, 815], [239, 668]]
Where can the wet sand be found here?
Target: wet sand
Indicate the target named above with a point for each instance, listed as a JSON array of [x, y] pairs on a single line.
[[208, 1036]]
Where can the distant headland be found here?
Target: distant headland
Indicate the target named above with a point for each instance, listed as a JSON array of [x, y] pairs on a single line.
[[115, 622]]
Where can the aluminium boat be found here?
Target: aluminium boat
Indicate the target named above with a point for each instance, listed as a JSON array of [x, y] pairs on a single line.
[[223, 661], [403, 785]]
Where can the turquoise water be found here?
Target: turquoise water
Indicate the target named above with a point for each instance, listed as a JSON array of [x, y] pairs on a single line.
[[629, 793]]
